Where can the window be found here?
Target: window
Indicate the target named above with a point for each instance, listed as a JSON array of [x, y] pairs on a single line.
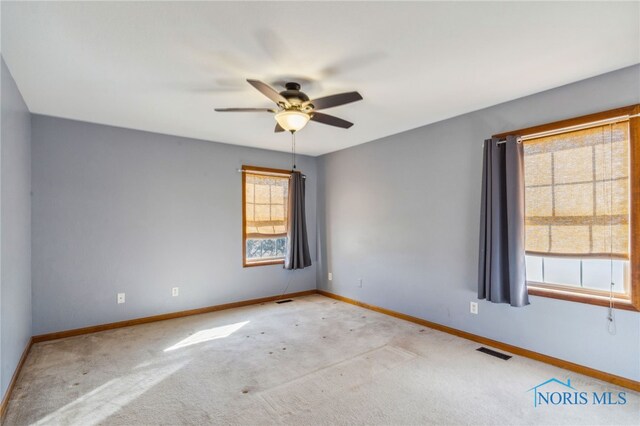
[[582, 196], [264, 215]]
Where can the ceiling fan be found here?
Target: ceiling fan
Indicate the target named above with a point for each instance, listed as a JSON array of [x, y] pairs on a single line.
[[295, 109]]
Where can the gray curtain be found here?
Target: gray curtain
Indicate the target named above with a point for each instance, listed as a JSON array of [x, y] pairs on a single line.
[[297, 254], [501, 274]]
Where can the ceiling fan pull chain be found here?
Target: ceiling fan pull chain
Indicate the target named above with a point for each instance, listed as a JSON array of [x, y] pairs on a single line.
[[293, 151]]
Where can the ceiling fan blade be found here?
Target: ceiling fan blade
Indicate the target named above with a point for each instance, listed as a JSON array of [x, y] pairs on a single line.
[[334, 100], [269, 92], [331, 120], [278, 128], [245, 110]]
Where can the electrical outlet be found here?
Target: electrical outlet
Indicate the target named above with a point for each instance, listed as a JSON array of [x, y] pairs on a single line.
[[120, 297], [330, 276], [175, 291], [360, 282], [473, 308]]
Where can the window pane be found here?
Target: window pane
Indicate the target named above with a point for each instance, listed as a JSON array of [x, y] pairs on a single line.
[[541, 163], [539, 201], [573, 165], [565, 239], [249, 212], [614, 193], [534, 268], [562, 271], [249, 192], [608, 237], [262, 212], [277, 212], [611, 160], [280, 246], [574, 200], [537, 238], [265, 249], [596, 274], [277, 194], [268, 248], [253, 249], [262, 194]]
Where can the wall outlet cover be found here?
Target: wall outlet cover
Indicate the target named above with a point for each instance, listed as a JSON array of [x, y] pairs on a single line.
[[473, 307], [120, 298], [175, 291]]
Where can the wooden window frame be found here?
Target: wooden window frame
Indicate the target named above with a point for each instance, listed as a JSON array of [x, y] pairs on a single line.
[[246, 169], [631, 303]]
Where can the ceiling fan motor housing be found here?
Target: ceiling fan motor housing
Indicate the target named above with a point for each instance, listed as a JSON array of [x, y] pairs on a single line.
[[293, 94]]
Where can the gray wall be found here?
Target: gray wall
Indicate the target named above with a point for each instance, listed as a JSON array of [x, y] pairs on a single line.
[[402, 213], [117, 210], [15, 227]]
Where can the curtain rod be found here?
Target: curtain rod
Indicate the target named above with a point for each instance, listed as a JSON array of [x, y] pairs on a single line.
[[259, 172], [613, 120], [519, 140]]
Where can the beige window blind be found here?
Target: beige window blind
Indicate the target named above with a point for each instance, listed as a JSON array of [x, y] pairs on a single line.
[[266, 205], [577, 193]]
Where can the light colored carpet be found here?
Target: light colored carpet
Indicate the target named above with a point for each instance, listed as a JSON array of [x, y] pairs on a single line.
[[311, 361]]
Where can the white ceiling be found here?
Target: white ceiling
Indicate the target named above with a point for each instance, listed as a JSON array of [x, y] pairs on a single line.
[[163, 67]]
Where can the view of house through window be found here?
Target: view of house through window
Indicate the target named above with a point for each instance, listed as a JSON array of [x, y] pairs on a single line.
[[265, 216], [577, 209]]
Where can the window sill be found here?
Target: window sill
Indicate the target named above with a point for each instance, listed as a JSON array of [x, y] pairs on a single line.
[[572, 296], [264, 263]]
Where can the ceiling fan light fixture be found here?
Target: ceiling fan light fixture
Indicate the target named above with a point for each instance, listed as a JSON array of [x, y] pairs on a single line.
[[292, 120], [295, 109]]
